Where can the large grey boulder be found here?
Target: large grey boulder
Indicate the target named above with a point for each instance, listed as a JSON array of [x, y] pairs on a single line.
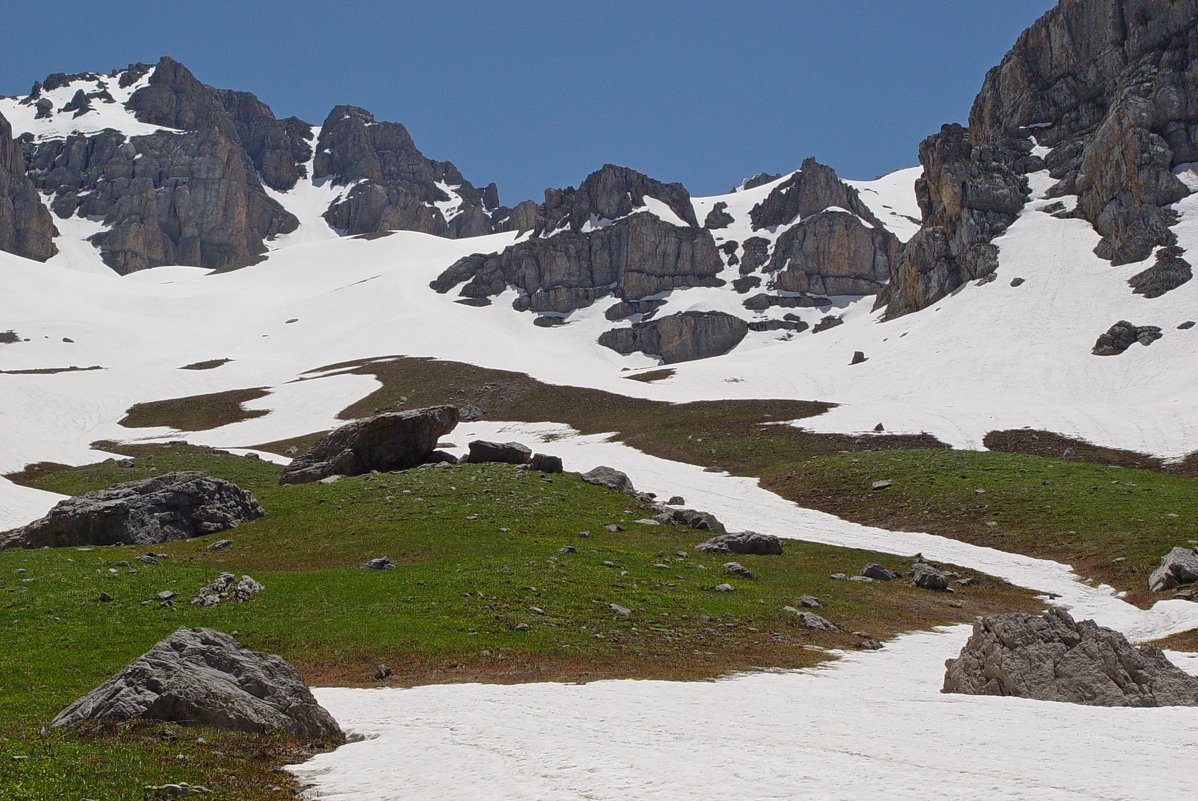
[[174, 506], [700, 521], [203, 677], [1168, 273], [1051, 657], [1179, 566], [389, 441], [749, 542], [679, 337], [482, 450], [1122, 335], [610, 477]]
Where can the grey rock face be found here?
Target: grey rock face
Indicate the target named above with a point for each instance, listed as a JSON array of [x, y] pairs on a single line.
[[174, 506], [812, 189], [609, 193], [968, 196], [636, 257], [203, 677], [1179, 566], [718, 217], [390, 441], [833, 253], [749, 542], [1122, 335], [26, 227], [398, 185], [610, 477], [1113, 82], [503, 452], [679, 337], [1051, 657], [1168, 273]]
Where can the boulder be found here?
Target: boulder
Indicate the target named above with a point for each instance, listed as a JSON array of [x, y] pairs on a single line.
[[606, 476], [173, 506], [389, 441], [226, 587], [928, 577], [745, 542], [1051, 657], [545, 463], [679, 337], [811, 620], [1179, 566], [737, 569], [1168, 273], [702, 521], [878, 573], [718, 217], [203, 677], [503, 452]]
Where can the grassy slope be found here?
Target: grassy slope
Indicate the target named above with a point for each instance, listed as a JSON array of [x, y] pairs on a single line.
[[448, 612]]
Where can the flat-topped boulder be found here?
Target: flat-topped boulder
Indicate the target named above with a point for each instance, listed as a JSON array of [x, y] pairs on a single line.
[[174, 506], [749, 542], [1052, 657], [1179, 566], [389, 441], [204, 677], [482, 450]]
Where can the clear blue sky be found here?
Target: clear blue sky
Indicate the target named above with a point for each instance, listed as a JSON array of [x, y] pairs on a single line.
[[537, 94]]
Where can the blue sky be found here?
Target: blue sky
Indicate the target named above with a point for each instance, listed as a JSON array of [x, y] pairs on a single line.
[[532, 95]]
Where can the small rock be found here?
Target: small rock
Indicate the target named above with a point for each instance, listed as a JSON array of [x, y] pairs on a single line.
[[216, 546], [165, 595], [612, 527], [379, 563], [881, 485], [811, 620], [870, 644], [676, 500], [567, 549], [877, 572], [737, 569], [1016, 282], [620, 610], [104, 597], [929, 577], [147, 559], [879, 428], [838, 576], [723, 588], [858, 358], [810, 601], [382, 672]]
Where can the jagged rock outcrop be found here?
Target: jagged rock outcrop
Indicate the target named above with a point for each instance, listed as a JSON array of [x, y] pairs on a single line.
[[26, 227], [204, 677], [968, 195], [833, 253], [1122, 335], [173, 506], [638, 256], [389, 441], [1179, 566], [398, 187], [609, 193], [679, 337], [1051, 657], [718, 217], [812, 189], [1108, 86]]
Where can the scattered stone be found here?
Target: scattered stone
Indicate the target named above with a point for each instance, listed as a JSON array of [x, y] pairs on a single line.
[[501, 452], [612, 527], [702, 521], [879, 428], [745, 542], [723, 588], [858, 358], [216, 546], [567, 549], [203, 677], [1179, 566], [1017, 282], [382, 672], [104, 597], [811, 620], [1168, 273], [838, 576], [173, 506], [878, 573], [379, 563], [862, 579], [1051, 657], [676, 500], [810, 601], [737, 569], [968, 581], [390, 441], [147, 559], [178, 788], [609, 477], [165, 595], [881, 485], [1186, 326], [623, 611], [870, 644]]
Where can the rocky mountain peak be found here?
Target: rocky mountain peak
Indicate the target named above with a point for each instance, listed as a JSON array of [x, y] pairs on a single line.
[[812, 189], [609, 193]]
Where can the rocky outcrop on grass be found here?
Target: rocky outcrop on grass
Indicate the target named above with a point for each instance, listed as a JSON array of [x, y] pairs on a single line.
[[204, 677], [174, 506], [748, 542], [679, 337], [389, 441], [26, 227], [1051, 657]]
